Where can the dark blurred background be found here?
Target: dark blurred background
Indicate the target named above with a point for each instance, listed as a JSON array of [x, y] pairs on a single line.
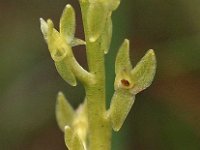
[[166, 116]]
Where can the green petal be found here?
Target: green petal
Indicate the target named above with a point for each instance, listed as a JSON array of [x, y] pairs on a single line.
[[65, 71], [44, 28], [68, 137], [72, 140], [143, 74], [106, 36], [123, 62], [121, 104], [64, 111], [56, 44], [77, 42], [77, 144], [96, 19], [68, 23], [50, 31]]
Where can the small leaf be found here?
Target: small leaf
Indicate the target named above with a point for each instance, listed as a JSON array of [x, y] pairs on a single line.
[[142, 75], [65, 72], [68, 23], [64, 112], [107, 35], [123, 62], [72, 140], [44, 28], [121, 104], [96, 19]]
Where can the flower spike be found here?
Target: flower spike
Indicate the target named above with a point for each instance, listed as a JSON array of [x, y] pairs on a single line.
[[89, 127]]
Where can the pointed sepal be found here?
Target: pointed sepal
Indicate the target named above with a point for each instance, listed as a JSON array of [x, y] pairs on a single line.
[[96, 19], [64, 112], [65, 72], [68, 23], [121, 104], [44, 28], [143, 74], [123, 62], [72, 141]]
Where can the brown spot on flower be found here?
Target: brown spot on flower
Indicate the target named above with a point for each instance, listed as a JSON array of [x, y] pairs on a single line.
[[125, 82]]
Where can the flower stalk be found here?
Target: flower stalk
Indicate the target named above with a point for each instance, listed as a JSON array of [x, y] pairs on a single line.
[[89, 127]]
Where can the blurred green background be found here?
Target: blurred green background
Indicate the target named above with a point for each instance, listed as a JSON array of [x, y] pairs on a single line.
[[166, 116]]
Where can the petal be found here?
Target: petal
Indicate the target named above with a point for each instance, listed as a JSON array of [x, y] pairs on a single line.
[[123, 62], [72, 140], [107, 36], [64, 112], [143, 74], [77, 42], [44, 28], [121, 104], [68, 23], [65, 72], [96, 19]]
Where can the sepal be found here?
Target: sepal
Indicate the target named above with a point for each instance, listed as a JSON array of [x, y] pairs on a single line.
[[123, 62], [121, 104], [63, 68], [96, 19], [68, 23], [143, 74], [44, 28], [72, 140], [64, 112], [106, 36]]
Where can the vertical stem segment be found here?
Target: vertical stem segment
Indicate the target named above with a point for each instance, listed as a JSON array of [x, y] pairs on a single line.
[[99, 125]]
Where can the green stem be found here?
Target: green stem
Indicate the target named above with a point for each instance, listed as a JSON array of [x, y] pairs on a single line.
[[99, 125]]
